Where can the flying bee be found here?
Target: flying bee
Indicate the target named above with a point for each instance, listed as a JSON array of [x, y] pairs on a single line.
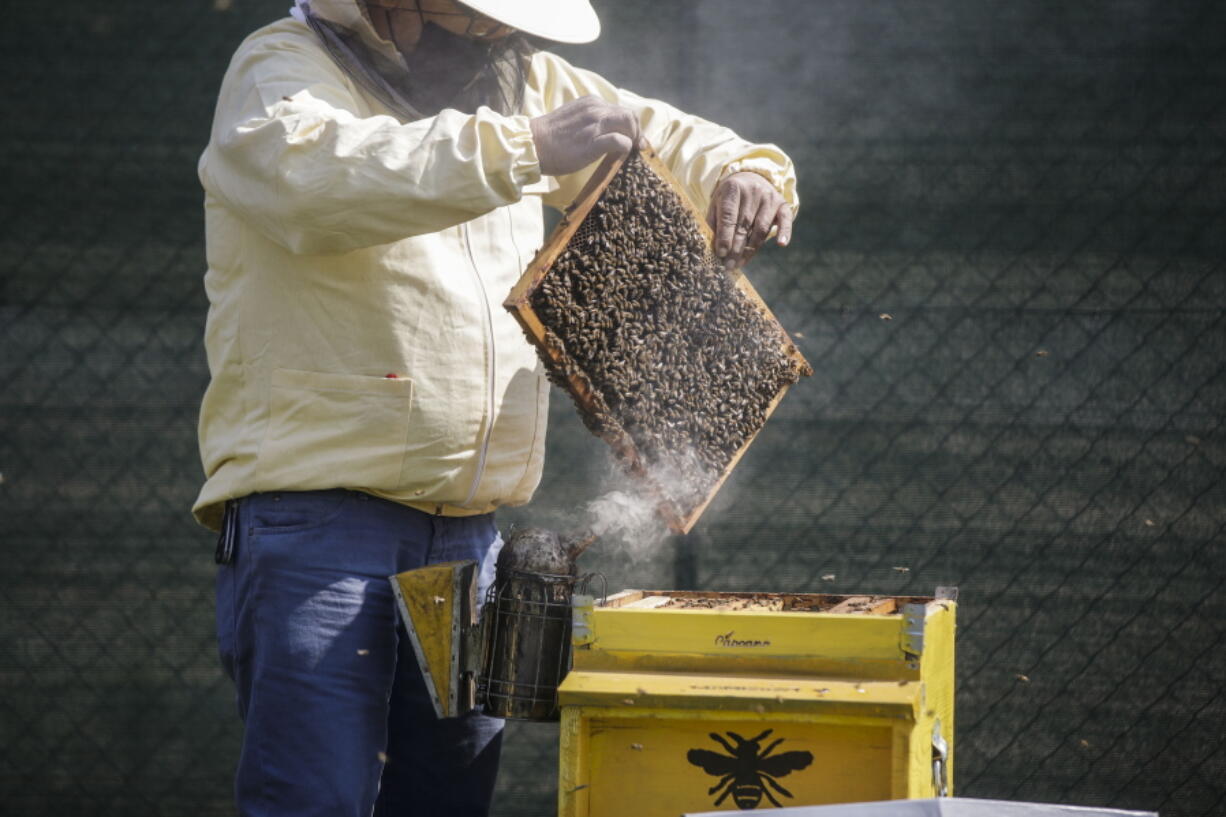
[[748, 771]]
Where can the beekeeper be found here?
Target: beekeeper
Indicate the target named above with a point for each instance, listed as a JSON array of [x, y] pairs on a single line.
[[374, 187]]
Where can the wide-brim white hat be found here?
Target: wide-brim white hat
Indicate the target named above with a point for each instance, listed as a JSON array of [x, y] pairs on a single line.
[[563, 21]]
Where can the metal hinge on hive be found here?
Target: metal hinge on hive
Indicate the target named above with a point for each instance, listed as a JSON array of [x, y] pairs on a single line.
[[581, 619], [913, 632], [940, 761]]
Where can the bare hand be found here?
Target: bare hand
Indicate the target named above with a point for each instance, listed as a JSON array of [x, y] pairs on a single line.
[[743, 211], [580, 132]]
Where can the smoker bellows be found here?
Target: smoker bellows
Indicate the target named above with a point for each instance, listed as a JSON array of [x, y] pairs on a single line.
[[672, 360]]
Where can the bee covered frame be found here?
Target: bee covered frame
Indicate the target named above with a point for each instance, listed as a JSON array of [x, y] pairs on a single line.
[[577, 383]]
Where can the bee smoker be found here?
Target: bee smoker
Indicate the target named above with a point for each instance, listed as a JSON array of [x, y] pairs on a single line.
[[509, 656]]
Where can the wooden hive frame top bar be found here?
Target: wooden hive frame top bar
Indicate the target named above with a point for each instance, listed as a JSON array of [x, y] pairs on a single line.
[[518, 303]]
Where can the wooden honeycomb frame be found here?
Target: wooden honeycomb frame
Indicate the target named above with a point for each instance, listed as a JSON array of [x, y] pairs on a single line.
[[578, 385]]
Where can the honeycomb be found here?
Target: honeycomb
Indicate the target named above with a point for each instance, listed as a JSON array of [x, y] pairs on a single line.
[[668, 356]]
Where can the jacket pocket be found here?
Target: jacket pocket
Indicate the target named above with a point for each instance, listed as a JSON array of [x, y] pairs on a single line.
[[335, 430]]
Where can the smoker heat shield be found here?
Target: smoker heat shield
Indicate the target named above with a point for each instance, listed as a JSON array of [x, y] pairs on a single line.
[[675, 363]]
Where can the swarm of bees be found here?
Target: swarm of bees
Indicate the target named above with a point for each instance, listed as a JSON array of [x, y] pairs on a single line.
[[670, 351]]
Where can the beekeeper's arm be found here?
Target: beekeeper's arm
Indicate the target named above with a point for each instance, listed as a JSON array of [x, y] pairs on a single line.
[[289, 153], [749, 189]]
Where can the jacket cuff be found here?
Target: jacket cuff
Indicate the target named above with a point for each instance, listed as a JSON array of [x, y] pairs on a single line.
[[526, 165]]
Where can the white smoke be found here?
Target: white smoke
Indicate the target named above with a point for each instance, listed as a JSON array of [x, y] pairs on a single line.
[[626, 517], [626, 522]]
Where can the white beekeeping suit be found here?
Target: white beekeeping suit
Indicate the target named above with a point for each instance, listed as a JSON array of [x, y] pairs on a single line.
[[360, 245]]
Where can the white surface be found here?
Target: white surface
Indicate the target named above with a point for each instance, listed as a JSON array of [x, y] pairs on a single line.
[[942, 807]]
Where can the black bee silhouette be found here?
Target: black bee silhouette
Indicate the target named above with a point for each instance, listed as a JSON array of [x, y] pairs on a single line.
[[748, 771]]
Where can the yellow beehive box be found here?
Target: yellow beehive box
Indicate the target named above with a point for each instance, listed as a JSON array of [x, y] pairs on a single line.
[[684, 702]]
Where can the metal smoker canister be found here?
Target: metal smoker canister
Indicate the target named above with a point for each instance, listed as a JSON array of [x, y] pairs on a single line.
[[528, 645], [527, 621]]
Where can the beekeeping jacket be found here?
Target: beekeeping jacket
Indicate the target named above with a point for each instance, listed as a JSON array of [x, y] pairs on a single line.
[[357, 263]]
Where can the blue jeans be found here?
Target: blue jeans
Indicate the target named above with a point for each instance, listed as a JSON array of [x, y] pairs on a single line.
[[337, 717]]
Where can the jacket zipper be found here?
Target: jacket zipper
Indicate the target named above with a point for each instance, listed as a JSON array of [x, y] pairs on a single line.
[[490, 371]]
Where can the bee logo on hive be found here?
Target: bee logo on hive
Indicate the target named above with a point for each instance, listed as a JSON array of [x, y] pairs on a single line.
[[748, 771]]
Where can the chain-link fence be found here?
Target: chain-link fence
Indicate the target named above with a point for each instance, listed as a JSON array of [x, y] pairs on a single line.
[[1009, 274]]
